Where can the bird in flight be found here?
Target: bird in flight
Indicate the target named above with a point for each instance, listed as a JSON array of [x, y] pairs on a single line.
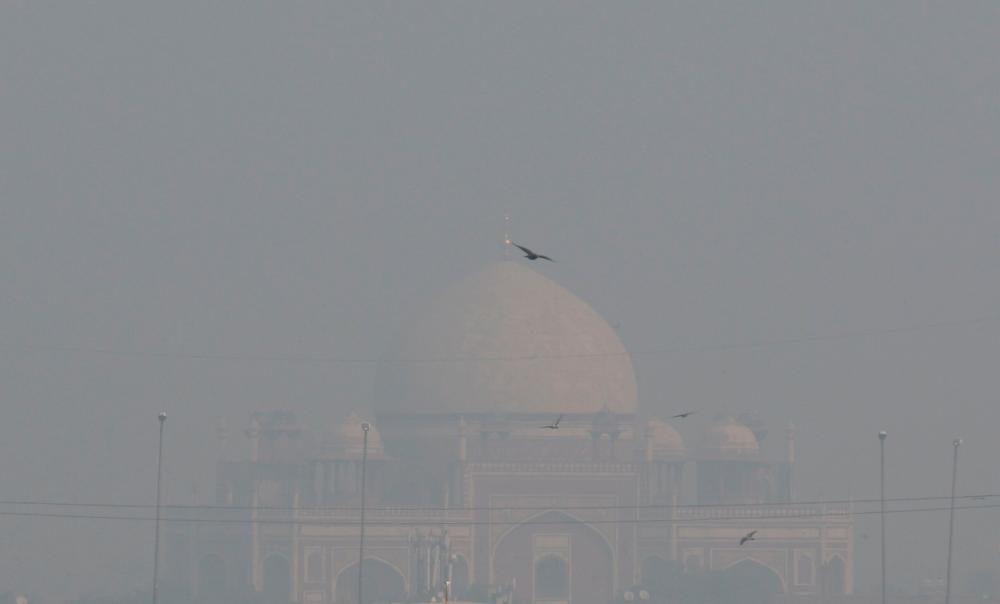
[[554, 425], [682, 415], [530, 255], [748, 537]]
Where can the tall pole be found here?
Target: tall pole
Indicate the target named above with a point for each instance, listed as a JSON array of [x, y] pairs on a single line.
[[365, 426], [156, 533], [253, 433], [881, 441], [951, 520]]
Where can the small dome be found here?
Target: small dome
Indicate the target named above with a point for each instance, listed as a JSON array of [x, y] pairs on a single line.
[[663, 439], [347, 440], [727, 438]]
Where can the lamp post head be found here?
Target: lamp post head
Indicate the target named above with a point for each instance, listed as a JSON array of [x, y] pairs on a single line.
[[882, 435], [163, 416], [366, 426], [958, 441]]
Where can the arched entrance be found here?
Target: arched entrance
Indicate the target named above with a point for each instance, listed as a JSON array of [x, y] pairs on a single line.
[[277, 580], [551, 578], [659, 576], [211, 580], [750, 582], [459, 577], [557, 558], [833, 576], [315, 567], [805, 571], [383, 583]]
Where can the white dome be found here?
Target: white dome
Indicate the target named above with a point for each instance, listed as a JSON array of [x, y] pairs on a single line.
[[507, 340], [728, 438], [663, 439]]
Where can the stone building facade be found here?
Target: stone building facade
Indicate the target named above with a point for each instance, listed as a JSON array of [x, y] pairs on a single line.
[[465, 485]]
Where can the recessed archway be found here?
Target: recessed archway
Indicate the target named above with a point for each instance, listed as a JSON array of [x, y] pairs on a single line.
[[833, 576], [750, 582], [277, 580], [315, 567], [562, 536], [382, 583], [459, 577], [658, 574], [551, 578], [805, 571], [212, 579]]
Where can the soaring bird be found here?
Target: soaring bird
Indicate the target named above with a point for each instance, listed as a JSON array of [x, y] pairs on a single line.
[[682, 415], [530, 255], [748, 537], [554, 425]]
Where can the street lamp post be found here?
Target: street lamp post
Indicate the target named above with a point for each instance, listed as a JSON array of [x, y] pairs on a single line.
[[881, 440], [951, 519], [156, 532], [365, 426]]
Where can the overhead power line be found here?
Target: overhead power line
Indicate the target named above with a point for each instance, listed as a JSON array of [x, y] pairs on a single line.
[[464, 522], [418, 509]]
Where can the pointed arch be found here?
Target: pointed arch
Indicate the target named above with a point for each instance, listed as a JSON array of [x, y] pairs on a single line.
[[540, 553], [383, 582], [750, 581], [557, 517], [277, 579], [212, 579], [833, 575], [315, 571], [657, 573], [551, 578], [459, 576], [805, 568]]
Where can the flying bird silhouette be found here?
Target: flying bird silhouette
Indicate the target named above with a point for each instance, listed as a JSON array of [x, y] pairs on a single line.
[[530, 255], [554, 425], [682, 415], [748, 537]]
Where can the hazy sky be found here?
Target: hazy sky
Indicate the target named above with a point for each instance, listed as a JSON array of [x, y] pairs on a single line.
[[181, 182]]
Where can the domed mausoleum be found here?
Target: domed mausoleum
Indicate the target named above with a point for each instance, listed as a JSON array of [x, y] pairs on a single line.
[[506, 458]]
